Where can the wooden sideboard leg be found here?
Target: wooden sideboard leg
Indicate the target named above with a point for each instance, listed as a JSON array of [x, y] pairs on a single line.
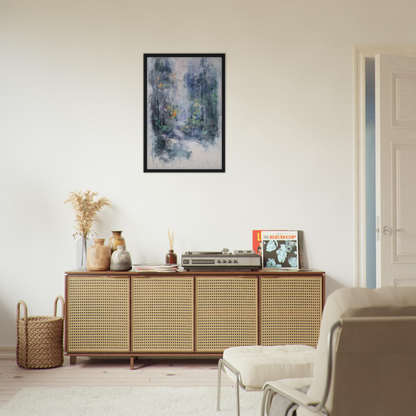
[[72, 359], [131, 363]]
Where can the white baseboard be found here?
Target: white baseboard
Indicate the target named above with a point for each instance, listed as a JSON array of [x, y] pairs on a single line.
[[7, 352]]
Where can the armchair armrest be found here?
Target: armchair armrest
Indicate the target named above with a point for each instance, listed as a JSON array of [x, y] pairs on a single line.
[[291, 393], [312, 404]]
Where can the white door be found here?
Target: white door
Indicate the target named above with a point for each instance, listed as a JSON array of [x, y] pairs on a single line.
[[396, 170]]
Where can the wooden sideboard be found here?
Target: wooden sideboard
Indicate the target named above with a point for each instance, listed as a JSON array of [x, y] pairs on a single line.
[[189, 313]]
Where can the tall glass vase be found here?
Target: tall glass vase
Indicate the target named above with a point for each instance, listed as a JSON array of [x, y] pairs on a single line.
[[81, 252]]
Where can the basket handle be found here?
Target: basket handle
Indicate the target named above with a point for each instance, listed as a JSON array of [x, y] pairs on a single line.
[[21, 302], [56, 306], [24, 340]]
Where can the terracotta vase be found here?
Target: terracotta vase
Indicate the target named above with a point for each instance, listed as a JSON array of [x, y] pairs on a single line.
[[98, 256], [171, 258], [121, 259], [116, 240]]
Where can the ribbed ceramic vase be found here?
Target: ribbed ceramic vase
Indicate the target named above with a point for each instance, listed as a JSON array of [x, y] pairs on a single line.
[[98, 256], [116, 240], [121, 259]]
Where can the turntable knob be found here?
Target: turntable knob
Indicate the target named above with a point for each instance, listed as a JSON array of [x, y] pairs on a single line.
[[225, 250]]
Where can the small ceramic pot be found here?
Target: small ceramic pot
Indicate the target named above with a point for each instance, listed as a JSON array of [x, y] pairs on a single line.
[[116, 240], [171, 258], [98, 256], [121, 259]]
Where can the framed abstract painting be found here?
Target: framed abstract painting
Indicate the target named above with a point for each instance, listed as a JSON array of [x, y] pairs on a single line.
[[184, 112]]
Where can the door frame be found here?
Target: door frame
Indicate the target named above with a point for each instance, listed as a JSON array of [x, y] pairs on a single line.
[[360, 53]]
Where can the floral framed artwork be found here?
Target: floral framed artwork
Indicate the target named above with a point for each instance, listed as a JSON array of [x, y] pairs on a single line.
[[184, 113]]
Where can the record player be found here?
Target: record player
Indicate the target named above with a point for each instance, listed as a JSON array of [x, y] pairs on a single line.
[[240, 260]]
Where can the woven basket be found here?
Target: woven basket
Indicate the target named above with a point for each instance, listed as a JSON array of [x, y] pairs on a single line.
[[40, 338]]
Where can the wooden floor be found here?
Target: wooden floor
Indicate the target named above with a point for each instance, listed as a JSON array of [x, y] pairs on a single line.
[[109, 372]]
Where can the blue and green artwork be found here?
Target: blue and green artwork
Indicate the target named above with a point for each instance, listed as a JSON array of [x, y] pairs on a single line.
[[184, 112]]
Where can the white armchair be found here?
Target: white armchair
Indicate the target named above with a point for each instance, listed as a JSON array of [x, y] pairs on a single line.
[[365, 363]]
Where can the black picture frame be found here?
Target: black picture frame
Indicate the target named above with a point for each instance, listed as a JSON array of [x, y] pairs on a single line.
[[184, 112]]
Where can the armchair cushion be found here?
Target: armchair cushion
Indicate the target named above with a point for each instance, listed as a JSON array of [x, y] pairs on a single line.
[[258, 364]]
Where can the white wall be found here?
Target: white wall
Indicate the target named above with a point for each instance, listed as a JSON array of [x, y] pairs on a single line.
[[71, 118]]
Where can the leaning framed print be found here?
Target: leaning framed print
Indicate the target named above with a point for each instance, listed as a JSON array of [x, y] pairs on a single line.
[[184, 112]]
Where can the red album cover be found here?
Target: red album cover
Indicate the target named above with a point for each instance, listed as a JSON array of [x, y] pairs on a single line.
[[257, 241]]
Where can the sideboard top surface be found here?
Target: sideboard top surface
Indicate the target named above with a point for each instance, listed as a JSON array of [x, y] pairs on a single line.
[[262, 272]]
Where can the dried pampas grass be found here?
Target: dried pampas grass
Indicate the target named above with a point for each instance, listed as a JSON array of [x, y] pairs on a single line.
[[85, 210]]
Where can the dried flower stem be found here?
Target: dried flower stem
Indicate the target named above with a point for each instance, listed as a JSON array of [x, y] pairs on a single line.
[[171, 237], [85, 210]]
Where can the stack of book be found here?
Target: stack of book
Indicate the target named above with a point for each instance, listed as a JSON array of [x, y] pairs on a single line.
[[155, 267]]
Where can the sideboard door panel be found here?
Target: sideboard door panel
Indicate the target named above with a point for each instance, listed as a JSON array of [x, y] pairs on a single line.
[[98, 309], [162, 314], [226, 312], [291, 309]]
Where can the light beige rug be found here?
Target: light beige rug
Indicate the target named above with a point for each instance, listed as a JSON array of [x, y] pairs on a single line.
[[130, 401]]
